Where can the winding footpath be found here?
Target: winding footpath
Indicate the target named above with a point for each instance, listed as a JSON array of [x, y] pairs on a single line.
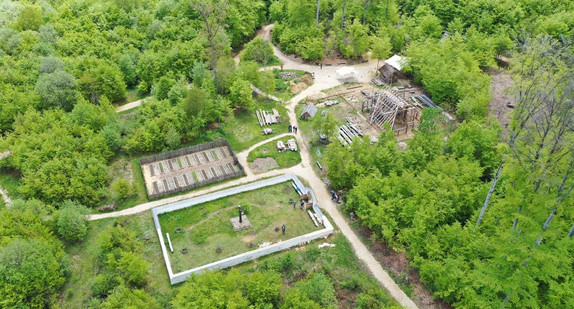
[[4, 193], [325, 78]]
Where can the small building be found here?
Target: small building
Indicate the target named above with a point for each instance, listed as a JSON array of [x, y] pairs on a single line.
[[309, 111], [391, 71]]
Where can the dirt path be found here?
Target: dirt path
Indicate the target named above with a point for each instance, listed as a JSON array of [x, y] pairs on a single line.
[[3, 192], [130, 105], [5, 196], [324, 78]]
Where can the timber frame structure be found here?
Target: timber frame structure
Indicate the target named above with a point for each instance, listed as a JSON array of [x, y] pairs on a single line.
[[386, 106]]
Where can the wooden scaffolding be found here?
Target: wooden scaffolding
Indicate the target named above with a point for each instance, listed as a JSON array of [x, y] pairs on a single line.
[[386, 106]]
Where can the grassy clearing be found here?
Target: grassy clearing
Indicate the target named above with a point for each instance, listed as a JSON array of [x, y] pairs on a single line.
[[133, 95], [206, 227], [269, 150], [349, 276], [317, 148], [128, 168], [243, 130], [10, 182]]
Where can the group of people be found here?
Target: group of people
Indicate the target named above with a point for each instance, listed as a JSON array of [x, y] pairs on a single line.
[[292, 128], [335, 197]]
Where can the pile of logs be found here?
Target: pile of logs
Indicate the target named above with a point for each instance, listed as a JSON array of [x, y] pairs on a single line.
[[348, 132], [267, 118], [292, 144], [331, 102]]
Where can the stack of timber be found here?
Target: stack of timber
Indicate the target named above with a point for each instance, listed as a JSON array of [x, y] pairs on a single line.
[[313, 218], [428, 102], [267, 131], [377, 81], [354, 127], [331, 102], [292, 144], [280, 146], [346, 135], [267, 118]]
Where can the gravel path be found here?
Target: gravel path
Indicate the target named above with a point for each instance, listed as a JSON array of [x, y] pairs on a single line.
[[325, 78], [3, 192]]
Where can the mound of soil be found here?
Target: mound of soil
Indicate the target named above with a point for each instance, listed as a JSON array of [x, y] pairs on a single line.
[[261, 165]]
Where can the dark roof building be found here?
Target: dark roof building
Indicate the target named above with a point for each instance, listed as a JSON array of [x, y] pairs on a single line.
[[309, 111]]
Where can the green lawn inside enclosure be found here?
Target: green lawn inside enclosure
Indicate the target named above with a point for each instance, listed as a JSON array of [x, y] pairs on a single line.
[[269, 150], [207, 234], [349, 276], [243, 130]]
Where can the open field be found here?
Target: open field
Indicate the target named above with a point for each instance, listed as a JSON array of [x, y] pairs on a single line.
[[206, 227], [348, 275], [242, 130]]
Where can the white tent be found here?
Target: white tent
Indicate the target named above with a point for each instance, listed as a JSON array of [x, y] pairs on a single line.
[[346, 74]]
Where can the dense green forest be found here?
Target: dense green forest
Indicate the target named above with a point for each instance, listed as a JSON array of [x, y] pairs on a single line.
[[482, 211], [517, 249]]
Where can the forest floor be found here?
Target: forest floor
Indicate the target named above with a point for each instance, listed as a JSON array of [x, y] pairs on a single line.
[[501, 82], [399, 266]]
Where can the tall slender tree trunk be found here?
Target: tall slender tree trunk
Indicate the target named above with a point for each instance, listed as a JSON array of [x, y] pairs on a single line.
[[213, 63], [343, 15], [317, 21], [365, 12], [490, 191]]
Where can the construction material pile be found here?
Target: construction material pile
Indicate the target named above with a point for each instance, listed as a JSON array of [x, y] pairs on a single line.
[[348, 132], [267, 118]]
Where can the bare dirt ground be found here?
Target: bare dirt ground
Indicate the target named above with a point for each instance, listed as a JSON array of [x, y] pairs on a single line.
[[261, 165], [398, 264], [501, 82], [121, 168], [350, 105]]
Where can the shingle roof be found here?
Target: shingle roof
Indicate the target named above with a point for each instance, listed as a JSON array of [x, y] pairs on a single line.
[[311, 109]]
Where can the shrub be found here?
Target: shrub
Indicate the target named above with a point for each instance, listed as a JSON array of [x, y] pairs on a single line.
[[259, 51], [72, 223]]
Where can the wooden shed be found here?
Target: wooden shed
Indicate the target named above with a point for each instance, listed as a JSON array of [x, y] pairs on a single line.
[[390, 72], [309, 111]]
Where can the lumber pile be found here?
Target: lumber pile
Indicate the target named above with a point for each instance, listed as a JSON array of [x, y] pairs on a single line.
[[280, 146], [292, 144], [266, 118], [267, 131], [348, 132], [313, 218], [331, 102], [354, 127], [428, 102]]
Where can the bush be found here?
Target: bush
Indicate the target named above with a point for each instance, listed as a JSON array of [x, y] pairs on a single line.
[[259, 51], [72, 224], [133, 268], [31, 274], [121, 189]]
